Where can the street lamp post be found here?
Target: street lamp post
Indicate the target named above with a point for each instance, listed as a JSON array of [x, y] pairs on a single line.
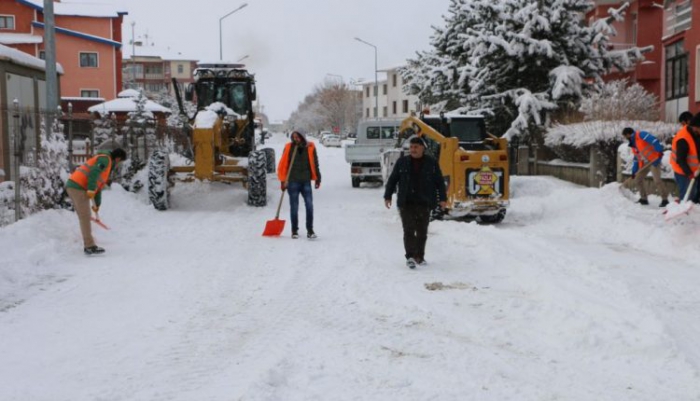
[[221, 49], [376, 82]]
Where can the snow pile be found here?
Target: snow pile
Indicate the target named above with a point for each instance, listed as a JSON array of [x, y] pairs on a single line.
[[578, 295]]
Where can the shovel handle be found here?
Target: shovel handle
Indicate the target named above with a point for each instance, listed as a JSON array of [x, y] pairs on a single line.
[[289, 171]]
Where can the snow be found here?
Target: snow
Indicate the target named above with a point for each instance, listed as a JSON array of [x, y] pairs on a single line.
[[578, 295], [82, 9], [25, 59], [129, 93], [7, 38], [126, 104]]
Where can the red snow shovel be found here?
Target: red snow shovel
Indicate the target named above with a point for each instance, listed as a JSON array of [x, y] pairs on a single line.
[[676, 209], [274, 228], [97, 220]]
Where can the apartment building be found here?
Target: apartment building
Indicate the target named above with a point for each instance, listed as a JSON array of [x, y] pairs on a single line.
[[88, 42], [151, 68], [672, 70], [393, 102]]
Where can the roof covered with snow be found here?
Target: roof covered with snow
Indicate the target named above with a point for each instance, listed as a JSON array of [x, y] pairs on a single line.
[[7, 38], [126, 105], [77, 9], [164, 52], [129, 93], [21, 58]]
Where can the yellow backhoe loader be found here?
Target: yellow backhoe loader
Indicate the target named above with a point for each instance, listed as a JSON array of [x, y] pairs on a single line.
[[475, 164]]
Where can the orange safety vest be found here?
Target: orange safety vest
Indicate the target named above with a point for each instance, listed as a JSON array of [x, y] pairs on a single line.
[[80, 175], [692, 159], [283, 167], [645, 152]]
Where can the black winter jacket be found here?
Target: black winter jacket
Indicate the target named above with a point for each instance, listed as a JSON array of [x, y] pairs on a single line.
[[429, 190]]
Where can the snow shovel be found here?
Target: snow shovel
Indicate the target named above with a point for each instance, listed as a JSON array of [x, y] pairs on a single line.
[[623, 187], [97, 220], [274, 228], [676, 209]]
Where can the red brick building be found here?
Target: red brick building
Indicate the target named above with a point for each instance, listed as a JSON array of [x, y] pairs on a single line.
[[88, 42], [672, 70]]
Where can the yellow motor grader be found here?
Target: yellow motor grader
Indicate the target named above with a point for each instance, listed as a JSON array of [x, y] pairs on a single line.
[[221, 136], [474, 164]]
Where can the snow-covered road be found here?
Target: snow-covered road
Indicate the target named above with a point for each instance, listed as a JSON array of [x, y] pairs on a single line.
[[578, 295]]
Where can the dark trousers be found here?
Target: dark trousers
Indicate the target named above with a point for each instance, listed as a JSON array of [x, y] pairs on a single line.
[[683, 182], [303, 188], [415, 220]]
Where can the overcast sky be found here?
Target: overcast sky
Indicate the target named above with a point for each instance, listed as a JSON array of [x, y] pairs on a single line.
[[292, 44]]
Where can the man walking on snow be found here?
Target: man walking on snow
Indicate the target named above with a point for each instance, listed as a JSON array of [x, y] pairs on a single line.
[[646, 149], [684, 157], [421, 186], [304, 170], [86, 184]]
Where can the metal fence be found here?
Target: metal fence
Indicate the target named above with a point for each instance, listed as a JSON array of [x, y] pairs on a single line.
[[20, 146]]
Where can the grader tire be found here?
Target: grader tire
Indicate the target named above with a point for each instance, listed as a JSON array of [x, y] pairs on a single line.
[[270, 165], [257, 179], [158, 185]]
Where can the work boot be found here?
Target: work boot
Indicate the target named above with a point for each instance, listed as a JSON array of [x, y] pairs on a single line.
[[93, 250], [295, 234], [664, 203], [311, 234], [643, 201]]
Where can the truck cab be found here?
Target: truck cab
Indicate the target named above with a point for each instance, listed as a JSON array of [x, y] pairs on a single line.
[[373, 138]]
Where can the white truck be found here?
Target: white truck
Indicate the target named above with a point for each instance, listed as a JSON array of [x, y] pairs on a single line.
[[364, 156]]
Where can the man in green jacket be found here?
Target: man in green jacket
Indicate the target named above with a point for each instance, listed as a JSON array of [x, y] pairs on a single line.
[[86, 184]]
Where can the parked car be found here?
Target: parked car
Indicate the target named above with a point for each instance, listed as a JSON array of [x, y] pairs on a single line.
[[322, 137], [332, 140]]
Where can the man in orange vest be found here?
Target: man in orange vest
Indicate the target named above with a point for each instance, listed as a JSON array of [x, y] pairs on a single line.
[[86, 184], [646, 149], [684, 156], [297, 179]]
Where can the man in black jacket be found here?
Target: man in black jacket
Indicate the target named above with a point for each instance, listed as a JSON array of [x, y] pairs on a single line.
[[421, 188]]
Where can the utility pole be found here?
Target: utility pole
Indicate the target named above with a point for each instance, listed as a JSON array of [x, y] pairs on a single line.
[[50, 52]]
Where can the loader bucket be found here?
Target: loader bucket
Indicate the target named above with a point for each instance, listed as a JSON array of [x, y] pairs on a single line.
[[274, 228]]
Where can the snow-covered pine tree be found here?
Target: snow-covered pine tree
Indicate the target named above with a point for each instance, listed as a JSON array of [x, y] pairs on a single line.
[[520, 59], [42, 184], [140, 133]]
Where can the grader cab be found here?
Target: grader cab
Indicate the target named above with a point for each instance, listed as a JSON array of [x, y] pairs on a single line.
[[221, 135]]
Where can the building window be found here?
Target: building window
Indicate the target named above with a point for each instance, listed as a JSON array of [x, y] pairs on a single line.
[[88, 59], [180, 68], [367, 90], [393, 82], [42, 54], [7, 22], [676, 71], [677, 16], [404, 106], [375, 112], [385, 111], [367, 114], [89, 93], [393, 107], [376, 88]]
